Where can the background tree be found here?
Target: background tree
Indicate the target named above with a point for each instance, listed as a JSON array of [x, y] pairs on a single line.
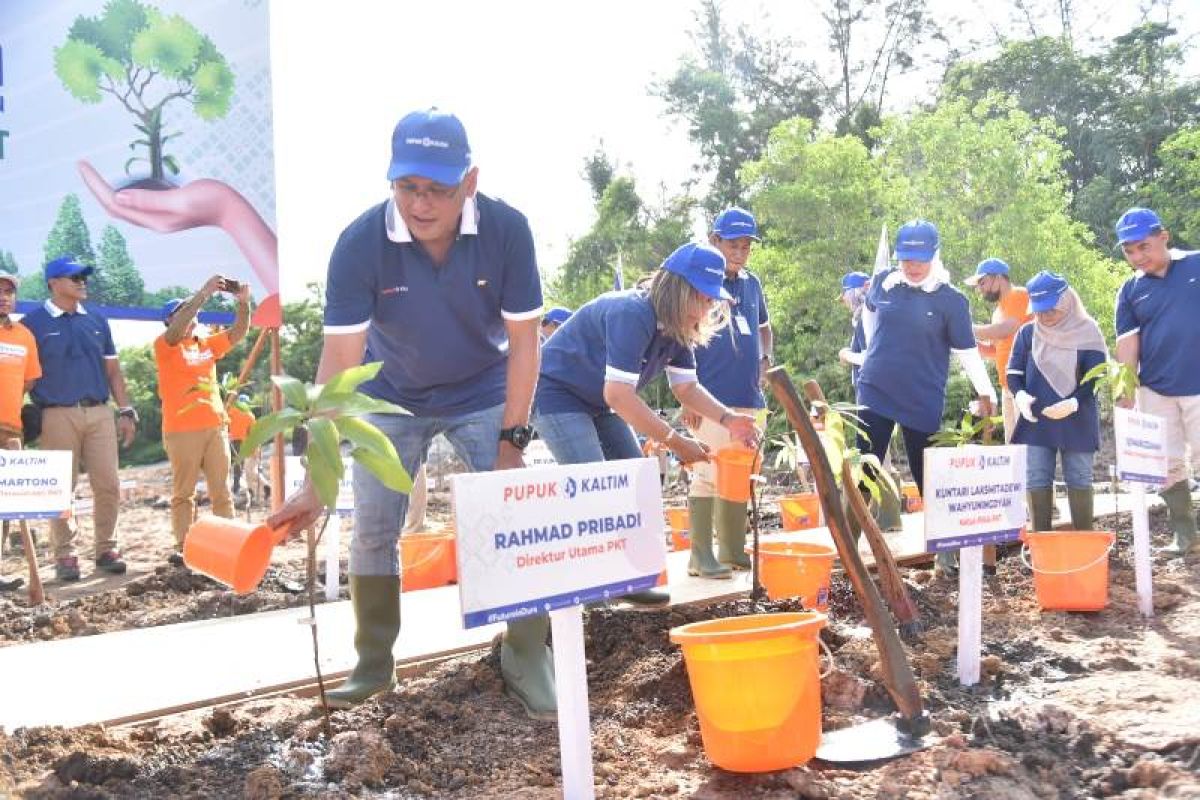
[[1176, 193], [120, 283], [69, 235], [8, 262], [145, 60]]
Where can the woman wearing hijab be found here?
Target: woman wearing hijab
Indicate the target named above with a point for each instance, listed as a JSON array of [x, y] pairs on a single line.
[[1058, 414]]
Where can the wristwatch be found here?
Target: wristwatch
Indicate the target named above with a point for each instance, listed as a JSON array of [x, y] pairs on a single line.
[[128, 411], [518, 436]]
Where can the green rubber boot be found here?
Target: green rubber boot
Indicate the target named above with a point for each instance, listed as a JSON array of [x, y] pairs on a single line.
[[703, 563], [887, 510], [731, 534], [527, 665], [376, 603], [1041, 505], [1183, 520], [1080, 501]]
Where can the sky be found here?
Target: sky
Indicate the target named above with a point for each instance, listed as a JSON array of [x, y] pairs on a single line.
[[539, 85]]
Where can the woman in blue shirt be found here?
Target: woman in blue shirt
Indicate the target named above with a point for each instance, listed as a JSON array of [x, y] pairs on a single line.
[[594, 365], [1058, 414]]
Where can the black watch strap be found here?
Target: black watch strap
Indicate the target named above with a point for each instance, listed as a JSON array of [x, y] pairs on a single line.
[[518, 436]]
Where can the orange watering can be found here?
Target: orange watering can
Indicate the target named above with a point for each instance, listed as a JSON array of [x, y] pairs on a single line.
[[231, 551]]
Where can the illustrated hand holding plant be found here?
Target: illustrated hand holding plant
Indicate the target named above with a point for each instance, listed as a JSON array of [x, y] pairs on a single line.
[[330, 413]]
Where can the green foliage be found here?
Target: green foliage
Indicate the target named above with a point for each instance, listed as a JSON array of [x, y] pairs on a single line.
[[1118, 378], [69, 235], [141, 382], [968, 430], [118, 281], [145, 60], [330, 414], [8, 262], [1176, 193]]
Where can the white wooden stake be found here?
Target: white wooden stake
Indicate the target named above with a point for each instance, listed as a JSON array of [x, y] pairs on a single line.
[[970, 614], [333, 546], [1141, 551], [574, 722]]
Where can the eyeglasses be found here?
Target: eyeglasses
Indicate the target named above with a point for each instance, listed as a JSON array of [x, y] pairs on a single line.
[[434, 192], [78, 278]]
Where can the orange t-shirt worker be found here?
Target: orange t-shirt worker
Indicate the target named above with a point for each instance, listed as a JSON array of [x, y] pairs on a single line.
[[19, 365], [182, 369], [239, 422]]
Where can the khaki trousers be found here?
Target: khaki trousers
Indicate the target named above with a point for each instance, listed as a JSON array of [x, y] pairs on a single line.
[[190, 453], [91, 436], [1182, 418], [1008, 408]]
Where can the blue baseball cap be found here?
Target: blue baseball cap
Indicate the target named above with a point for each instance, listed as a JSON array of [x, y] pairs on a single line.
[[702, 266], [1044, 290], [1137, 224], [430, 144], [989, 266], [66, 267], [170, 307], [855, 280], [558, 315], [736, 223], [917, 241]]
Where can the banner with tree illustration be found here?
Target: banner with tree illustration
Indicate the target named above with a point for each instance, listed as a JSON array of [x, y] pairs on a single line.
[[137, 137]]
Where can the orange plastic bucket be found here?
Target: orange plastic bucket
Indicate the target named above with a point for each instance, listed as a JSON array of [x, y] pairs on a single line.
[[678, 518], [735, 466], [680, 540], [800, 511], [912, 498], [1070, 568], [428, 559], [233, 552], [756, 686], [796, 569]]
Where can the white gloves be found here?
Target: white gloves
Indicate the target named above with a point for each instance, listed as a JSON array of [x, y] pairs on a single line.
[[1061, 409], [1024, 402], [847, 356]]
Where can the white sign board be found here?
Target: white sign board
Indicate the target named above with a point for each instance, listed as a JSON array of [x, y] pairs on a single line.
[[974, 495], [543, 538], [293, 477], [35, 484], [1141, 448], [537, 454]]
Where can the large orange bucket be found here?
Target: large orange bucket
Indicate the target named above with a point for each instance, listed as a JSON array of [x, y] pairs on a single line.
[[428, 560], [1070, 568], [756, 686], [233, 552], [735, 466], [678, 518], [800, 511], [796, 569]]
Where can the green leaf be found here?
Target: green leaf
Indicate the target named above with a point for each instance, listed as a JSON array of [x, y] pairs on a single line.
[[355, 404], [366, 436], [293, 391], [389, 471], [324, 445], [267, 428], [348, 380], [324, 479], [170, 163]]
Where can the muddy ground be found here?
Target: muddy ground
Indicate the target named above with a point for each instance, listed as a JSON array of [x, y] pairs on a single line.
[[1073, 705]]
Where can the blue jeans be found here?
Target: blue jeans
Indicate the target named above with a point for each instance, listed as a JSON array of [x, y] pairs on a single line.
[[576, 437], [1039, 467], [379, 511]]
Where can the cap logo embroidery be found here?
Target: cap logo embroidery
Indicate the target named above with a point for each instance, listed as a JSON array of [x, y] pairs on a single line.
[[426, 142]]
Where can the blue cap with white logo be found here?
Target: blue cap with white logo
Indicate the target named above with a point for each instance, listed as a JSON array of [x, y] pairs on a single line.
[[1137, 224], [170, 307], [430, 144], [66, 267], [989, 266], [917, 241], [855, 280], [702, 266], [735, 223], [1044, 290], [557, 315]]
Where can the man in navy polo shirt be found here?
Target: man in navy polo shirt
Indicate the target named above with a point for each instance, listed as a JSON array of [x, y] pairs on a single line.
[[731, 367], [1157, 329], [79, 369], [440, 284]]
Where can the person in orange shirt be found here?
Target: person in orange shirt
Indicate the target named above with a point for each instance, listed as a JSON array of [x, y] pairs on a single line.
[[991, 280], [193, 416], [241, 418], [19, 368]]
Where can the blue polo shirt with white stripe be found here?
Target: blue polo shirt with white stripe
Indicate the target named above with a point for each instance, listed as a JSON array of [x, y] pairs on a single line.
[[1080, 432], [73, 348], [728, 365], [1165, 313], [613, 337], [908, 358], [439, 330]]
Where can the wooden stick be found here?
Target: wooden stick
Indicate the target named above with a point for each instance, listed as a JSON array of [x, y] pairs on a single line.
[[897, 674], [252, 359], [37, 594]]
